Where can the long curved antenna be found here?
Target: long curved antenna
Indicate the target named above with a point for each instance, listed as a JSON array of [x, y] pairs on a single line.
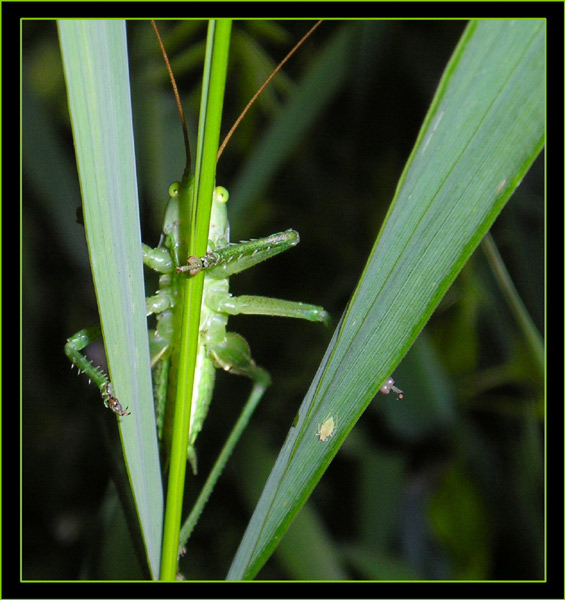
[[177, 98], [258, 92]]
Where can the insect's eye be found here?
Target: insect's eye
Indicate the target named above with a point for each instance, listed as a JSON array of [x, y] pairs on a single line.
[[221, 194], [174, 189]]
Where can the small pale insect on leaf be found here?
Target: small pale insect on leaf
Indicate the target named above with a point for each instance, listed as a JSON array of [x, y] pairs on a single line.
[[327, 429]]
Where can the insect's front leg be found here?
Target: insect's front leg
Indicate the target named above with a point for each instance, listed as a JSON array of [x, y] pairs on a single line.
[[163, 300], [221, 263], [224, 261], [159, 259]]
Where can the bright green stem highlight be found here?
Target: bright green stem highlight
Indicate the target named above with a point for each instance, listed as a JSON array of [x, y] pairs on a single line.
[[198, 214]]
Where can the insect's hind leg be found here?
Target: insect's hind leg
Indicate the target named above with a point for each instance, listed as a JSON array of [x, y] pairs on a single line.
[[234, 356]]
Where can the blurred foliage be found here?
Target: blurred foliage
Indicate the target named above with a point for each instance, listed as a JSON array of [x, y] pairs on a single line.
[[445, 484]]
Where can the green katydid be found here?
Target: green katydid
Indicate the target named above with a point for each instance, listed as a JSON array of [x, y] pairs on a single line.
[[218, 348]]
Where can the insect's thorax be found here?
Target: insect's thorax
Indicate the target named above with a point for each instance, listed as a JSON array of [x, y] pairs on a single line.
[[212, 323], [218, 233], [171, 228]]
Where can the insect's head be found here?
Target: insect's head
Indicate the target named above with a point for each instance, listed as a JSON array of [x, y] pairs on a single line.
[[221, 195], [172, 210], [171, 222], [219, 224]]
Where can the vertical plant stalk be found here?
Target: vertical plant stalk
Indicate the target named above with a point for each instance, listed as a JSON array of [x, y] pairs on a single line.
[[195, 220]]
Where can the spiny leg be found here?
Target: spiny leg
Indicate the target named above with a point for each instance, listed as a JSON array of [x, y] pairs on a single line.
[[73, 347], [231, 259], [223, 262]]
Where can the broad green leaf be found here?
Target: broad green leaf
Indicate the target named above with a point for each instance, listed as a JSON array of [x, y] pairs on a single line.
[[96, 71], [483, 131]]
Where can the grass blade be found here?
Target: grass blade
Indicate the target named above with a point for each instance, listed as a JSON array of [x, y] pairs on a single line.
[[482, 133], [96, 72]]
